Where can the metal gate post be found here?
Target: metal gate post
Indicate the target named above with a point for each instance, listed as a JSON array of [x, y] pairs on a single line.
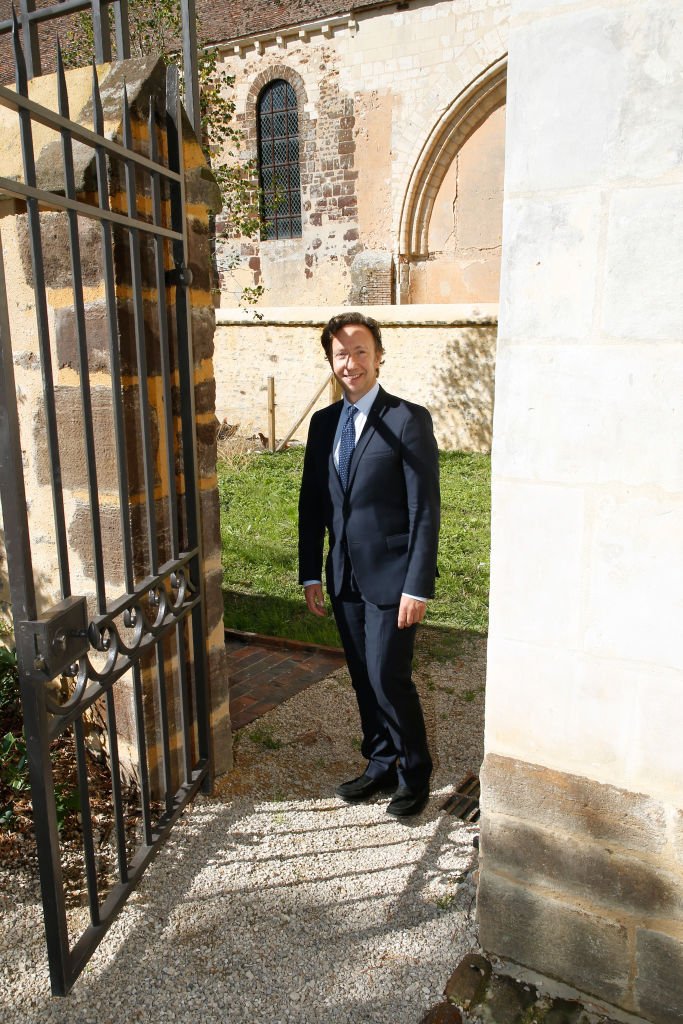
[[23, 597], [183, 279]]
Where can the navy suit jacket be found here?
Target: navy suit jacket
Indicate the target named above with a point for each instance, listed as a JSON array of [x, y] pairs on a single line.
[[387, 521]]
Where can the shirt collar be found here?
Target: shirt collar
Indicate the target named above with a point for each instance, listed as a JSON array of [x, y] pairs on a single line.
[[364, 404]]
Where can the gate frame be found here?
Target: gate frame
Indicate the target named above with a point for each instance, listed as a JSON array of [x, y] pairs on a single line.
[[58, 641]]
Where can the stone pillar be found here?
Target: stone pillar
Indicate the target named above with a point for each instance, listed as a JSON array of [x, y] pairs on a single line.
[[144, 79], [582, 815], [203, 197]]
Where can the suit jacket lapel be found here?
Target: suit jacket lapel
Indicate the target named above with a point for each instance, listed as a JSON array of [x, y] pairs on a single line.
[[329, 445]]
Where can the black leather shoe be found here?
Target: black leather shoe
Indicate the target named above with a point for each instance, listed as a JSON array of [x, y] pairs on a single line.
[[366, 786], [406, 801]]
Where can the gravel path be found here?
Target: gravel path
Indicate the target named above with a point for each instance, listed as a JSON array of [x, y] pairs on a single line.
[[276, 902]]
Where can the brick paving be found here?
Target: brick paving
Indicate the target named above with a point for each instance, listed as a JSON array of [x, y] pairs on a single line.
[[265, 671]]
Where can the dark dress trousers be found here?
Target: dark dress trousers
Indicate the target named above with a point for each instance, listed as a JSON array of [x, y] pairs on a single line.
[[383, 537]]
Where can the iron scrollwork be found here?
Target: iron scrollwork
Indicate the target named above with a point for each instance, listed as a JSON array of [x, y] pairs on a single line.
[[126, 632]]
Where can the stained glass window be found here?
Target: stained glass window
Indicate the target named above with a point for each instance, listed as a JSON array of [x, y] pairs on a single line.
[[278, 150]]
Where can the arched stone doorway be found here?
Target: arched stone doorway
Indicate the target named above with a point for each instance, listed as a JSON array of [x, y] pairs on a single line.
[[451, 221]]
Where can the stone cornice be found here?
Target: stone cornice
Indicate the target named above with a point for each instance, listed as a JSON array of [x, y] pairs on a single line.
[[483, 314]]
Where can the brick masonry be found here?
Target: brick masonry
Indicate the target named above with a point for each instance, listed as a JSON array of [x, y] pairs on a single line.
[[328, 185], [263, 674]]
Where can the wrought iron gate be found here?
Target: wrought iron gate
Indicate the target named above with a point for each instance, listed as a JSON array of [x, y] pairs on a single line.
[[147, 635]]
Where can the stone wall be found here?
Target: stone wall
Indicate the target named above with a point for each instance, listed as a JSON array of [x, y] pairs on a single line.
[[582, 865], [440, 356], [466, 223], [583, 882], [377, 92]]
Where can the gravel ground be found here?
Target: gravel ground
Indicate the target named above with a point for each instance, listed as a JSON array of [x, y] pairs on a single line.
[[276, 902]]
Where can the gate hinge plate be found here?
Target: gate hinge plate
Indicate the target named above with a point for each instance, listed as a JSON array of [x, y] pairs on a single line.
[[181, 274], [48, 646]]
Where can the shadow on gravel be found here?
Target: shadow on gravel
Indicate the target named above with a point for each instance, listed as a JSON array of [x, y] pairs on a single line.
[[274, 901]]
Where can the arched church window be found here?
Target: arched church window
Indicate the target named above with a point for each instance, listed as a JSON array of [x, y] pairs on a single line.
[[278, 152]]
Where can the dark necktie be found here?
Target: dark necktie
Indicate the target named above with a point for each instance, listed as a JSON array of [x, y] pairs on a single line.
[[346, 445]]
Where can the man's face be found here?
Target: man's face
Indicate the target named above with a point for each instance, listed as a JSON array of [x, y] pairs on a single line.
[[355, 360]]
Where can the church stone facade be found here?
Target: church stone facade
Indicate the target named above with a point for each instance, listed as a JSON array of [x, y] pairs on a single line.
[[400, 125]]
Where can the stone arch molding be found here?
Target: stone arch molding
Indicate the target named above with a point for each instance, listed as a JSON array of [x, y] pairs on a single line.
[[269, 74], [465, 114]]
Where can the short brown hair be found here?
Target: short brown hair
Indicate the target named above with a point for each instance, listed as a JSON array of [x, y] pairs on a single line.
[[347, 319]]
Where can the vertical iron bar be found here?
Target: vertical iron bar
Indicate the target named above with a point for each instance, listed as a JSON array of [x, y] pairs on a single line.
[[30, 35], [184, 686], [117, 798], [139, 322], [113, 332], [121, 463], [121, 29], [145, 416], [82, 345], [187, 411], [101, 33], [42, 320], [190, 69], [162, 312], [47, 831], [145, 801], [86, 821], [168, 437], [12, 489], [163, 715], [23, 597]]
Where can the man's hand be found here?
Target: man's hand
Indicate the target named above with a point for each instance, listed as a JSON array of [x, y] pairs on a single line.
[[410, 611], [314, 598]]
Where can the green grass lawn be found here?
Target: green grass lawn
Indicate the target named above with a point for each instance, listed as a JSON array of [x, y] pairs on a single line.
[[259, 495]]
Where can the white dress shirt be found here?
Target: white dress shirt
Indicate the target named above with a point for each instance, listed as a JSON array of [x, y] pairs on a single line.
[[363, 407]]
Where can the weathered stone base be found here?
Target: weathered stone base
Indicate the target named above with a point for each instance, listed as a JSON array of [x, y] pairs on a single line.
[[583, 882], [492, 997]]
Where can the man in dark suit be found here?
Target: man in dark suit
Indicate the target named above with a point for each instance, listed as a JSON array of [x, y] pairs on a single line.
[[371, 480]]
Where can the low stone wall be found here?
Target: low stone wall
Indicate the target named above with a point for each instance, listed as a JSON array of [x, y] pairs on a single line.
[[439, 356]]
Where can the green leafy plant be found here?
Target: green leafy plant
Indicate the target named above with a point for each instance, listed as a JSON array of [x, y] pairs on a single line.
[[445, 901], [14, 775], [13, 763], [265, 738], [470, 695], [9, 684], [67, 801]]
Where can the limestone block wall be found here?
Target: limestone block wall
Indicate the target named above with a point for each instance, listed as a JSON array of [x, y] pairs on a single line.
[[466, 224], [142, 78], [582, 864], [439, 356], [370, 89]]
